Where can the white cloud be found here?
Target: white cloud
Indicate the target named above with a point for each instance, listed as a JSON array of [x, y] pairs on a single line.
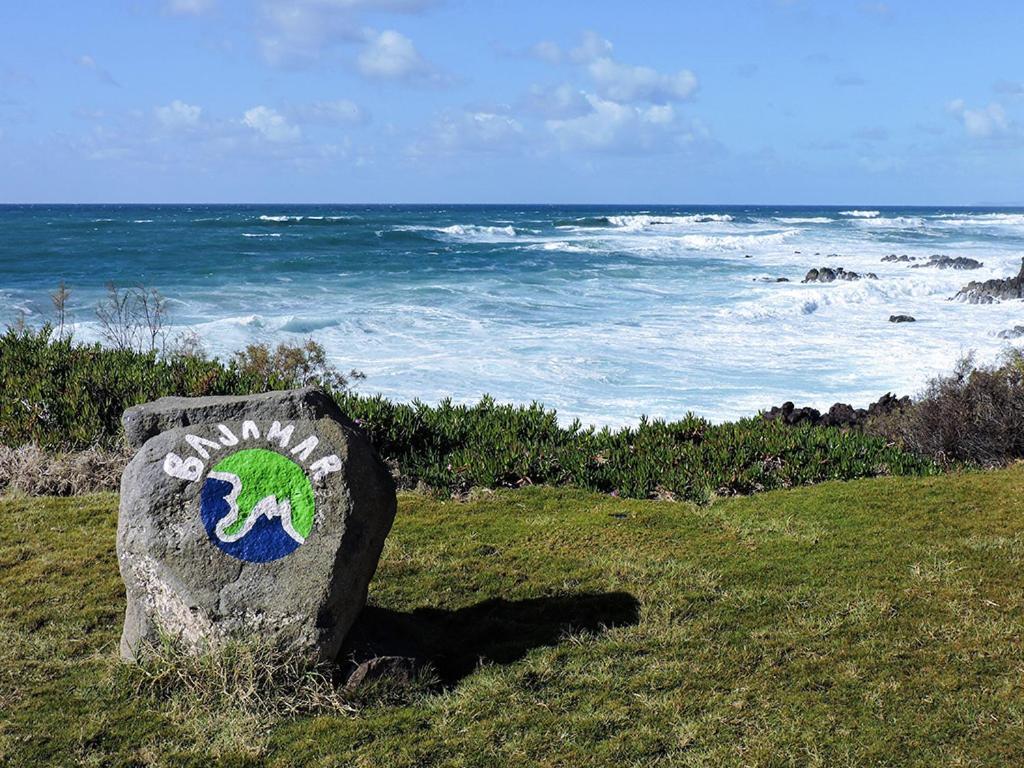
[[271, 125], [547, 51], [178, 115], [616, 81], [86, 61], [981, 123], [560, 101], [391, 55], [472, 130], [623, 82], [300, 32], [592, 47], [339, 111], [618, 127], [188, 7]]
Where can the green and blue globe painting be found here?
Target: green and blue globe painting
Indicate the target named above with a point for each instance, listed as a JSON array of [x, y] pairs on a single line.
[[257, 505]]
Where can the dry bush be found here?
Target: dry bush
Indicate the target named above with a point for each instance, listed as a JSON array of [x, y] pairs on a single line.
[[300, 365], [974, 415], [229, 696], [133, 318], [31, 471]]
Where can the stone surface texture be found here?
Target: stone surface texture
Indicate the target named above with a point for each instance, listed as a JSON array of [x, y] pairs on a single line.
[[180, 584]]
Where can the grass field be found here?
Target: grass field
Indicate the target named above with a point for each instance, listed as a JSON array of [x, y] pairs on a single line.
[[874, 622]]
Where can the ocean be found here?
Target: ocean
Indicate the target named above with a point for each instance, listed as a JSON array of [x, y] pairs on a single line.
[[606, 313]]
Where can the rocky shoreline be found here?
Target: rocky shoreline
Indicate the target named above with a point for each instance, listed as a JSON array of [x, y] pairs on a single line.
[[990, 291], [839, 415], [975, 292]]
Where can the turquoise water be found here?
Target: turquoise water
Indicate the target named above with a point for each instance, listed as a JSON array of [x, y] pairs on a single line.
[[605, 313]]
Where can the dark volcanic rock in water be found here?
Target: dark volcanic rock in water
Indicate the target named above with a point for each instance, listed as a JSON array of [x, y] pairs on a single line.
[[903, 258], [831, 274], [902, 319], [989, 291], [773, 279], [1012, 333], [950, 262], [839, 415]]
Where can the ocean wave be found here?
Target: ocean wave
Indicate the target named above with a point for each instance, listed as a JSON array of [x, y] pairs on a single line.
[[587, 222], [636, 222], [261, 234], [857, 214], [802, 219], [640, 221], [559, 245], [307, 324], [477, 230], [733, 242], [142, 221], [1007, 219], [893, 222], [297, 219]]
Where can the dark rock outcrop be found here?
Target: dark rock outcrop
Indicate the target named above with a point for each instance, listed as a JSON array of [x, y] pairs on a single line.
[[902, 319], [901, 259], [989, 291], [829, 275], [1012, 333], [839, 415], [950, 262]]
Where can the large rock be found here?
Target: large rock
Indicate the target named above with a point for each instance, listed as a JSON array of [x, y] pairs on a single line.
[[831, 274], [989, 291], [839, 415], [249, 517], [142, 422], [950, 262]]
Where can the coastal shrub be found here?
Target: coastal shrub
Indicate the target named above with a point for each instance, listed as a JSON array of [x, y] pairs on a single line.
[[60, 394], [65, 396], [458, 447], [974, 415]]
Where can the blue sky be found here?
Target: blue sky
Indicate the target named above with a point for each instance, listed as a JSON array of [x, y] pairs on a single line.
[[766, 101]]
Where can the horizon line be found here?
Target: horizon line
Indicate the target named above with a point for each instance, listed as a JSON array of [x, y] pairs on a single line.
[[861, 204]]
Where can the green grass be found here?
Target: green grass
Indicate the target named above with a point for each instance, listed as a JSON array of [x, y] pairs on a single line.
[[873, 622]]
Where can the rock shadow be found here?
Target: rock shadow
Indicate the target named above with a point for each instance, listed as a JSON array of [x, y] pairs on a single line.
[[497, 631]]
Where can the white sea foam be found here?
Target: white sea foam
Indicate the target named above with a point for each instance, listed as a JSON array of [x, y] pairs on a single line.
[[603, 317], [734, 242], [893, 222], [637, 222], [802, 219], [861, 214], [280, 219], [476, 231]]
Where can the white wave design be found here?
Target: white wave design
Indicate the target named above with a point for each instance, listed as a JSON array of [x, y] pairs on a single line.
[[268, 507], [857, 214]]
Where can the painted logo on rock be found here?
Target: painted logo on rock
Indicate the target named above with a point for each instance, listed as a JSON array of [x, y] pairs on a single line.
[[257, 505]]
